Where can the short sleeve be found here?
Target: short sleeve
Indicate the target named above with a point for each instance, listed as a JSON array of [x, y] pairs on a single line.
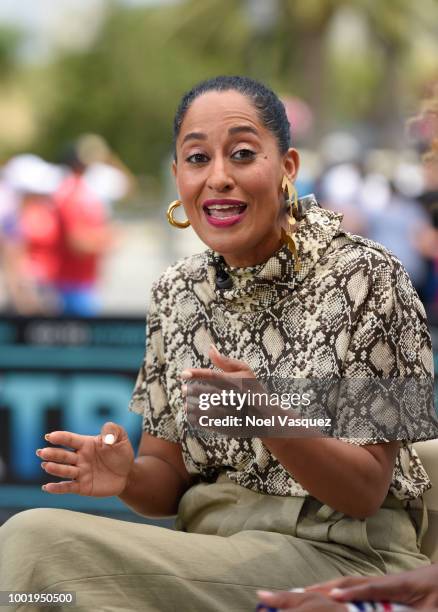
[[388, 368], [150, 397], [391, 337]]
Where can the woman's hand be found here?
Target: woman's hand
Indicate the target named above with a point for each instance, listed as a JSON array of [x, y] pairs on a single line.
[[92, 468], [242, 391], [231, 368], [417, 588], [231, 384], [209, 381], [306, 602]]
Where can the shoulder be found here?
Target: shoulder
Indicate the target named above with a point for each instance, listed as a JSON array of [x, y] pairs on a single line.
[[369, 270], [389, 265], [386, 278], [352, 251], [337, 252], [178, 277]]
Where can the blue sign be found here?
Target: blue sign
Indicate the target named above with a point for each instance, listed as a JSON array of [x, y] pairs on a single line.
[[62, 374]]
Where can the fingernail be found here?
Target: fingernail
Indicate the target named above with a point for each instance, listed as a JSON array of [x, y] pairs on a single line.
[[47, 436], [109, 439], [212, 346], [43, 488], [297, 590], [186, 374], [43, 465], [336, 591], [37, 452]]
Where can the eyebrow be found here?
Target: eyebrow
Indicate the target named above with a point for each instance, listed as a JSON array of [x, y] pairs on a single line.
[[194, 136], [234, 130]]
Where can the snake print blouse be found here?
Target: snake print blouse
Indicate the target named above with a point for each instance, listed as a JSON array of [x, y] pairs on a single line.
[[350, 311]]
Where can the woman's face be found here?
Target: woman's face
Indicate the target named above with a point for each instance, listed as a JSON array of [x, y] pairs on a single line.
[[228, 173]]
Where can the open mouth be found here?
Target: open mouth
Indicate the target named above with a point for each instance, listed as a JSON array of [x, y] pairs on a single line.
[[224, 211]]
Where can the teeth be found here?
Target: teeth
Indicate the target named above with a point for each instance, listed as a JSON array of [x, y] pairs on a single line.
[[223, 206], [222, 213]]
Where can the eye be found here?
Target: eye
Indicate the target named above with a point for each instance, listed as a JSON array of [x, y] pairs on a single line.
[[243, 155], [197, 158]]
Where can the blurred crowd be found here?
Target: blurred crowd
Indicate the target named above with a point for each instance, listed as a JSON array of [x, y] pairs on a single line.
[[56, 220], [56, 227], [389, 197]]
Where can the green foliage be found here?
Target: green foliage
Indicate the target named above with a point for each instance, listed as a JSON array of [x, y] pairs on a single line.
[[127, 85], [10, 40]]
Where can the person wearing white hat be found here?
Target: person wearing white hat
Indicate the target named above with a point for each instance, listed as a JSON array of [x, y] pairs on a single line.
[[30, 234]]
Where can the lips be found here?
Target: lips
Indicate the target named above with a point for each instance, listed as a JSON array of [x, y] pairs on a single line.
[[223, 213]]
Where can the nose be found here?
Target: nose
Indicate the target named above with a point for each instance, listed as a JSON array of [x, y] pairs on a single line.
[[220, 179]]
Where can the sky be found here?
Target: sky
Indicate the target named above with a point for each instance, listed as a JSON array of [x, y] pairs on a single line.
[[35, 12], [51, 23]]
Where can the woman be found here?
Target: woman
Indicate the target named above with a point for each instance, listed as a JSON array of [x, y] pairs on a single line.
[[253, 513]]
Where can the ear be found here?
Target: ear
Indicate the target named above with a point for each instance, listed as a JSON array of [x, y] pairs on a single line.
[[291, 163]]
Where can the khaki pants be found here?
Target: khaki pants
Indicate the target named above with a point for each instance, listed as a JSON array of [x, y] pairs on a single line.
[[231, 542]]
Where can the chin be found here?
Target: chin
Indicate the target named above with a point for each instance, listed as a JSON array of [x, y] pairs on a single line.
[[228, 245]]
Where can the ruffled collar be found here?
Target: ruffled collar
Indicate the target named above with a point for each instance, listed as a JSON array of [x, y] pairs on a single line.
[[259, 287]]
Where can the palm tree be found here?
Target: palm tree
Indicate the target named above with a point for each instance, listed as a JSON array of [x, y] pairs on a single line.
[[289, 47]]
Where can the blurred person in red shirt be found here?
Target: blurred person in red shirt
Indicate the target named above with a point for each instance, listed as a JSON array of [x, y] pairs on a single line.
[[86, 236], [30, 234], [39, 230]]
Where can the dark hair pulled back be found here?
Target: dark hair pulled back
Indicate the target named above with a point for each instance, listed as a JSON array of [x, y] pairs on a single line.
[[269, 107]]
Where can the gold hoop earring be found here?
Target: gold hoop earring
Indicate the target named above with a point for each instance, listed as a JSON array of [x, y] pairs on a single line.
[[290, 193], [172, 206]]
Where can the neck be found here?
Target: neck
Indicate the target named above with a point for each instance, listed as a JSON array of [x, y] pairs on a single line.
[[257, 256]]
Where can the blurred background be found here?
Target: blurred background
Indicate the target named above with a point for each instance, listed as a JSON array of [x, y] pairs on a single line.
[[89, 90]]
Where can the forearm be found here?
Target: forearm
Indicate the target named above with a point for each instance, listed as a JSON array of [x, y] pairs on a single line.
[[346, 477], [154, 487]]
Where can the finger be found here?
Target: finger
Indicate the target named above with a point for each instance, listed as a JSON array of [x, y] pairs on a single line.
[[66, 438], [192, 405], [344, 582], [214, 394], [58, 469], [228, 364], [211, 381], [282, 599], [111, 433], [58, 455], [373, 591], [207, 374], [202, 373], [197, 388], [61, 487]]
